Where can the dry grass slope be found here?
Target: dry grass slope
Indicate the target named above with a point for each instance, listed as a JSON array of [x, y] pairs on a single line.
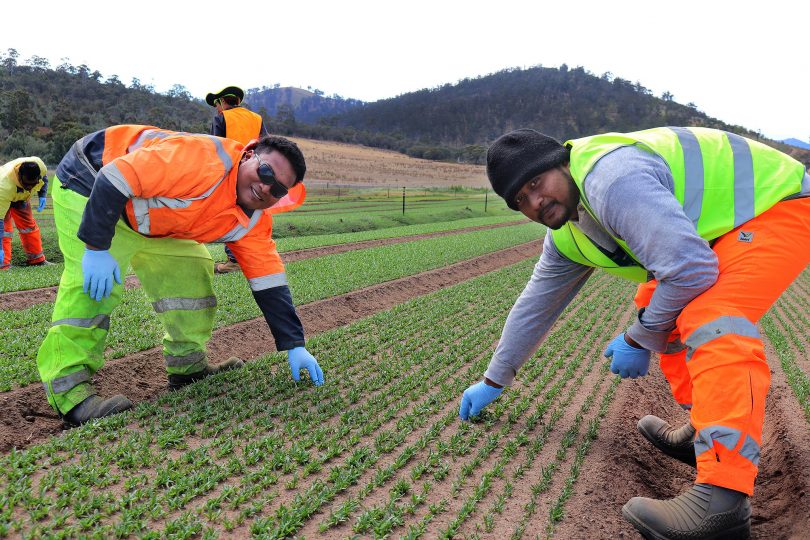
[[342, 163]]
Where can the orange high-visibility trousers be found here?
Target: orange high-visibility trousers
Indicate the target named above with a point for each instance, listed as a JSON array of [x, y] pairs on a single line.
[[29, 234], [724, 357], [673, 360]]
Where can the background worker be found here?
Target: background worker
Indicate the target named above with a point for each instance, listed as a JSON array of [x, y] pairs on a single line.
[[152, 198], [233, 122], [18, 181], [723, 225]]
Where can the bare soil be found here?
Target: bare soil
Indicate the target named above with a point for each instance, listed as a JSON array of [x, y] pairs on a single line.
[[28, 419], [622, 464]]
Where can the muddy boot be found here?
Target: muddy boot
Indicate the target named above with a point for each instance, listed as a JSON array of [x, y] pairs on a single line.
[[675, 442], [179, 381], [703, 512], [96, 407], [226, 267]]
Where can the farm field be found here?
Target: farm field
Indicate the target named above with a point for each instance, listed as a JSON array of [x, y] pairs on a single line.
[[402, 319]]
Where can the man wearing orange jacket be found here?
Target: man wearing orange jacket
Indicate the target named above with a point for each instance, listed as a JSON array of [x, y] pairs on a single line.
[[233, 121], [722, 225], [151, 198], [19, 179]]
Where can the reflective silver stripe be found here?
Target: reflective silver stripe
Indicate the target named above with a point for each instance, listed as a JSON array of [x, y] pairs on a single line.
[[188, 304], [268, 282], [706, 438], [693, 174], [99, 321], [674, 347], [743, 179], [141, 207], [721, 326], [239, 231], [148, 135], [182, 361], [63, 384], [116, 178], [26, 231], [7, 234], [750, 450]]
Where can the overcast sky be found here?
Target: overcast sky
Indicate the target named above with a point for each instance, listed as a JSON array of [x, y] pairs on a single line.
[[743, 65]]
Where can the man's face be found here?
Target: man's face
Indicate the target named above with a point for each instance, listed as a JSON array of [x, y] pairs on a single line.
[[28, 183], [550, 198], [251, 192]]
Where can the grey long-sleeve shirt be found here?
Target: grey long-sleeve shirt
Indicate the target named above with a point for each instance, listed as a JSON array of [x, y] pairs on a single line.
[[631, 192]]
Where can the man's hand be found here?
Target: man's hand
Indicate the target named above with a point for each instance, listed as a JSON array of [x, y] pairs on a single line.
[[99, 269], [476, 397], [299, 358], [42, 201], [627, 360]]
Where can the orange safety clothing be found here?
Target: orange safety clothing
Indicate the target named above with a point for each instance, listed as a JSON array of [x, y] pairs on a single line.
[[29, 234], [242, 125], [722, 371]]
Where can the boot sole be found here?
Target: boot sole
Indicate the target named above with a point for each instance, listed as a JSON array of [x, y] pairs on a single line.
[[665, 450], [740, 532]]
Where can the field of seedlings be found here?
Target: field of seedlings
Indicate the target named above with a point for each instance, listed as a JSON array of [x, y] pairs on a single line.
[[402, 316]]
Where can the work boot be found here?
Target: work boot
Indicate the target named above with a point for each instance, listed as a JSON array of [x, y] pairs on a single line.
[[177, 381], [677, 443], [226, 267], [96, 407], [703, 512], [43, 263]]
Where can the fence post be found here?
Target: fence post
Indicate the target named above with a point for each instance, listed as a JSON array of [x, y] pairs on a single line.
[[403, 199], [486, 194]]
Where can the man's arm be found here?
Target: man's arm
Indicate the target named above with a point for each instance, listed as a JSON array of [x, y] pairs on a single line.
[[631, 192], [554, 283], [104, 207], [218, 125]]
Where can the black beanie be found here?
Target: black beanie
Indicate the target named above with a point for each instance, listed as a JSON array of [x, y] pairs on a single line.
[[517, 157]]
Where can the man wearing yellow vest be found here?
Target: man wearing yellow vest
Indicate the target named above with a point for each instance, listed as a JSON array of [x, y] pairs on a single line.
[[233, 122], [715, 227]]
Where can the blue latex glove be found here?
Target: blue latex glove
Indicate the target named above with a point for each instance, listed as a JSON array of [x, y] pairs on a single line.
[[475, 398], [2, 256], [99, 269], [41, 206], [628, 361], [299, 358]]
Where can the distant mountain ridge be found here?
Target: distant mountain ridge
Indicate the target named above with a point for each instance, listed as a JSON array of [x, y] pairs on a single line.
[[797, 143], [307, 106]]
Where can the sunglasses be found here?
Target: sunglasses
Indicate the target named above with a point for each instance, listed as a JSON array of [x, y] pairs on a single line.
[[267, 176]]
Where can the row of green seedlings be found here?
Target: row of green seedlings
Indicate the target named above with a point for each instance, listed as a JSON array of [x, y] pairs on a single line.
[[48, 276], [390, 512], [352, 208], [170, 437], [165, 440], [135, 327], [588, 329], [782, 336]]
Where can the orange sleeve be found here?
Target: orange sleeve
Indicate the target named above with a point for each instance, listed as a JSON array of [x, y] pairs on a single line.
[[256, 252]]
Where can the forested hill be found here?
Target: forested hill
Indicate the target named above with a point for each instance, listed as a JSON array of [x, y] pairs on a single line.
[[43, 110]]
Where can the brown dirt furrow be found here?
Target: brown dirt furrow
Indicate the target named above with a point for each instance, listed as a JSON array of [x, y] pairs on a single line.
[[18, 300], [621, 464], [28, 419]]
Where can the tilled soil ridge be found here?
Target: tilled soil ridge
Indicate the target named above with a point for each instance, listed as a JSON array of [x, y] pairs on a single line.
[[28, 419], [622, 464], [18, 300]]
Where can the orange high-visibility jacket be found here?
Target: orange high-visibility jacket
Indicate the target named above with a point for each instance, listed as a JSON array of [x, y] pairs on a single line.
[[181, 185], [242, 125], [170, 184]]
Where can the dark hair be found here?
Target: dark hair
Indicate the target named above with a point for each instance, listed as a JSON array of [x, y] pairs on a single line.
[[233, 101], [29, 172], [286, 148]]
